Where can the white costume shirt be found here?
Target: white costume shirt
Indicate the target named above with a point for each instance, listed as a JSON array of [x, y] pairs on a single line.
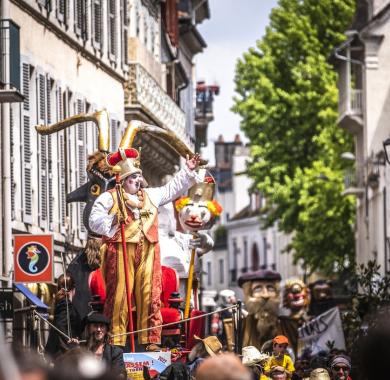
[[100, 221]]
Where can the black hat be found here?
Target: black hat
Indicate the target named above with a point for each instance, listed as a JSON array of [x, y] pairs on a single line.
[[95, 317], [262, 274]]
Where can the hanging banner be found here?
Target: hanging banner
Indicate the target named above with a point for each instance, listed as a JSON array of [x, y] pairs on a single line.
[[325, 328], [33, 258], [135, 362]]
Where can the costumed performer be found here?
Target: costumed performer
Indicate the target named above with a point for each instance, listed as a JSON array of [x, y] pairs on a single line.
[[141, 232]]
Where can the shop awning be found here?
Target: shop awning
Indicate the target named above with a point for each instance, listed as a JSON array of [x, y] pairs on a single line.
[[42, 308]]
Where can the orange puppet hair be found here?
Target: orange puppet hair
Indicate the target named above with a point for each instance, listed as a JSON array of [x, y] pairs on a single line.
[[214, 207]]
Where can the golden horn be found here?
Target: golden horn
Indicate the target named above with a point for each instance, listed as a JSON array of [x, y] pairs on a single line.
[[100, 118], [164, 135]]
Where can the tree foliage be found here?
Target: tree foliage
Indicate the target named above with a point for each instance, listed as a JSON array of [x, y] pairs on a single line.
[[287, 99]]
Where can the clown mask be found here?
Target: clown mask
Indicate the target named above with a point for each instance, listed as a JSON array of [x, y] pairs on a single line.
[[195, 216]]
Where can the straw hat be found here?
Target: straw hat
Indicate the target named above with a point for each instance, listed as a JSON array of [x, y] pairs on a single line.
[[212, 344], [251, 355], [319, 374]]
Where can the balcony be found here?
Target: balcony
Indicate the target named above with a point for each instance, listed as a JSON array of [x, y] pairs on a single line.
[[147, 101], [9, 62], [351, 183], [351, 110]]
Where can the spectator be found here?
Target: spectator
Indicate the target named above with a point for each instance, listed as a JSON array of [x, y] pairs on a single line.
[[30, 365], [66, 319], [78, 364], [254, 360], [279, 357], [319, 374], [97, 326], [278, 372], [206, 347], [340, 367], [222, 367]]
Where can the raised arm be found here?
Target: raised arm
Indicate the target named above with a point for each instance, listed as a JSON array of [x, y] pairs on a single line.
[[178, 185]]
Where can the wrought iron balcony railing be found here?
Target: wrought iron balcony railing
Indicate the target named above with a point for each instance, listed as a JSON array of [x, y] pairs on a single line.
[[143, 92]]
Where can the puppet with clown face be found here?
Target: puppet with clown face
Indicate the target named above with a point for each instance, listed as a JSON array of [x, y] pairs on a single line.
[[198, 211]]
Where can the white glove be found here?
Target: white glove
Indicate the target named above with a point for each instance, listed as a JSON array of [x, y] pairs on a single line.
[[202, 242]]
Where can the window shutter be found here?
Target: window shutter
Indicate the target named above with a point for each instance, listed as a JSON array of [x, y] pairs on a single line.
[[114, 135], [27, 169], [61, 160], [97, 23], [112, 28], [42, 154], [62, 9], [12, 151], [81, 158], [26, 86], [81, 18], [26, 145], [49, 165], [124, 32]]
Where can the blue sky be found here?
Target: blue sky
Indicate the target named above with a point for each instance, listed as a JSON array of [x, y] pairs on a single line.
[[234, 27]]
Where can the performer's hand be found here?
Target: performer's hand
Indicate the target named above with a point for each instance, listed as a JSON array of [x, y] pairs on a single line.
[[194, 162], [73, 341]]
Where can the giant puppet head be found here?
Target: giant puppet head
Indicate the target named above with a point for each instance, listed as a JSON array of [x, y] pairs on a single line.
[[295, 297], [261, 296], [321, 297], [198, 211]]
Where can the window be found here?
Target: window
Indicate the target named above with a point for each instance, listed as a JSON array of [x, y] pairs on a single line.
[[81, 19], [114, 135], [62, 10], [221, 271], [26, 145], [255, 257], [265, 249], [112, 36], [42, 151], [125, 32], [209, 277], [97, 27], [169, 15], [12, 151], [245, 268]]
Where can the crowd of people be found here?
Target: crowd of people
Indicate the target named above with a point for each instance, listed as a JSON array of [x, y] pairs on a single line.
[[96, 358]]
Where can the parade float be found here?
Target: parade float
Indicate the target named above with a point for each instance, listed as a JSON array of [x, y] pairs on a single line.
[[103, 260]]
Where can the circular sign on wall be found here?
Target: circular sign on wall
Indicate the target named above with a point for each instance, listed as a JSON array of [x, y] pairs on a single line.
[[33, 258]]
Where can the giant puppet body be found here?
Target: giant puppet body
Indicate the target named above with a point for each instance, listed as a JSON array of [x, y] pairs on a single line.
[[295, 301], [261, 297], [197, 211]]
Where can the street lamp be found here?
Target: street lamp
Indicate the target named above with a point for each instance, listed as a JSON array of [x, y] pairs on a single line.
[[386, 147]]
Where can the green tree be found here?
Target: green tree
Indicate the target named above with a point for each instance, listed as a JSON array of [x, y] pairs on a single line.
[[287, 99]]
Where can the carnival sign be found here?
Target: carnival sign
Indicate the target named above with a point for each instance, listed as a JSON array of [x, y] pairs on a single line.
[[155, 362], [33, 258], [318, 333]]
